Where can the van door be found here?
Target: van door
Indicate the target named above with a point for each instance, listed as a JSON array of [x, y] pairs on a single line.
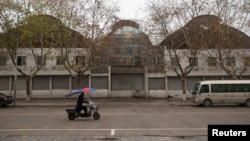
[[204, 92]]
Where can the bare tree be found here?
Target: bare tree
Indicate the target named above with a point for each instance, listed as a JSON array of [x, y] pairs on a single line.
[[69, 41], [51, 28], [11, 14], [94, 18], [36, 38], [230, 49], [228, 35], [166, 17], [44, 31], [182, 45]]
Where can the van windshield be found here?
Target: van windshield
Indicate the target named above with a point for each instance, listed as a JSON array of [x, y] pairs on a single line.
[[196, 88]]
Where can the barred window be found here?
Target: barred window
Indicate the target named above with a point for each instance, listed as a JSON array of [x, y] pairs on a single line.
[[247, 61], [3, 60], [211, 61], [21, 60], [40, 60], [193, 61], [59, 60], [80, 60], [174, 62]]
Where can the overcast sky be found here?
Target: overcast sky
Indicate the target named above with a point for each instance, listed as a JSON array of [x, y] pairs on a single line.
[[132, 9]]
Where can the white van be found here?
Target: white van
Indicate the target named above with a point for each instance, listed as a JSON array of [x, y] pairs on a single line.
[[208, 93]]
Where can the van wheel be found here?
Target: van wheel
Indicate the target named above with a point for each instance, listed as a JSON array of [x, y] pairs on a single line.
[[247, 103], [207, 103]]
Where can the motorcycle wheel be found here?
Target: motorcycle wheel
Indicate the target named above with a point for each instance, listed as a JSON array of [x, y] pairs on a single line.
[[71, 117], [96, 116]]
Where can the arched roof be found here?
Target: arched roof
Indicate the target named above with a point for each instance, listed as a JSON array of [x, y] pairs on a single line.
[[52, 29], [46, 18], [123, 23], [129, 23], [207, 30], [205, 20]]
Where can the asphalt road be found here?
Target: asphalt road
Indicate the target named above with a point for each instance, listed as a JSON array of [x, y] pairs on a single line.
[[119, 121]]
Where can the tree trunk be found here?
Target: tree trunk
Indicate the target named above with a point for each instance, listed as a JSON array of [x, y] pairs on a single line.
[[184, 85], [78, 79], [235, 77], [28, 90]]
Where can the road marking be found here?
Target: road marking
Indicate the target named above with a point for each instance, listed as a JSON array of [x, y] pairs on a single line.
[[112, 132], [161, 129], [10, 130]]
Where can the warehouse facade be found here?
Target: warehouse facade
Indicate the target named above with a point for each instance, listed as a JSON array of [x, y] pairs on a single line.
[[133, 67]]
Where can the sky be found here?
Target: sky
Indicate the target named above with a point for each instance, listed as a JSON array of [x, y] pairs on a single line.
[[132, 9]]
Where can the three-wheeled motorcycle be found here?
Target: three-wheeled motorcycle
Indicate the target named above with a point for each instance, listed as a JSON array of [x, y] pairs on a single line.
[[92, 110]]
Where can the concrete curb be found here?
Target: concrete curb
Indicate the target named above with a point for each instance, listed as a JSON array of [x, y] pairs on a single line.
[[70, 102]]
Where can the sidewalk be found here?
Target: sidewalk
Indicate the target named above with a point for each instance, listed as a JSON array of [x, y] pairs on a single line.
[[70, 102]]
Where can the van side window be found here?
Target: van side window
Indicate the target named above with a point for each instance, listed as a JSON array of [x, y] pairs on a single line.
[[219, 88], [204, 89], [246, 87]]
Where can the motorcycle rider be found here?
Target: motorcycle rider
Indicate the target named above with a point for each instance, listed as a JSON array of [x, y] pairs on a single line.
[[79, 105]]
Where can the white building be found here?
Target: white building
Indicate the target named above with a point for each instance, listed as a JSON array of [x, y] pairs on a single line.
[[142, 70]]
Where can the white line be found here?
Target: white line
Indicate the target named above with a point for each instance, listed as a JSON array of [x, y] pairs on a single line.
[[10, 130], [112, 132], [161, 129]]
